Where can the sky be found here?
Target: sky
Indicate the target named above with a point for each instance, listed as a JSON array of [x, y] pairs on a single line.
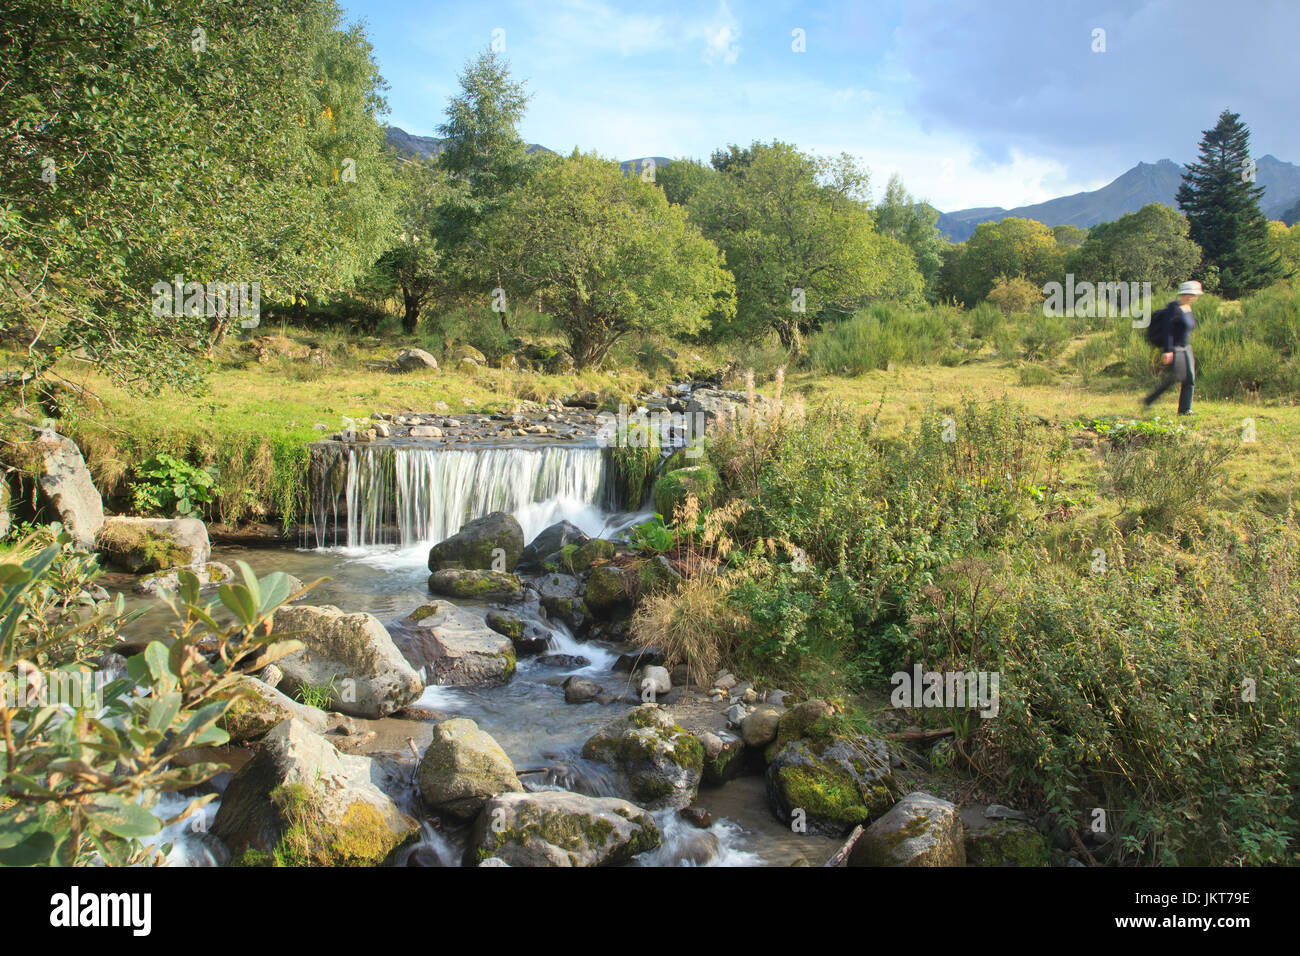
[[998, 103]]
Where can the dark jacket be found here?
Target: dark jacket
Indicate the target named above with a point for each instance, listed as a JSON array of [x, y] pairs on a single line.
[[1178, 327]]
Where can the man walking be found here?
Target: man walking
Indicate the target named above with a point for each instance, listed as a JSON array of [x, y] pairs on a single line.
[[1176, 348]]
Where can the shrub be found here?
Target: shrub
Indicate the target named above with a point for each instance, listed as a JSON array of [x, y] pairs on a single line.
[[1015, 294]]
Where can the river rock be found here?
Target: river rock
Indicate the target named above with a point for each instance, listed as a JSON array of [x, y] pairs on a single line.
[[411, 360], [259, 708], [837, 780], [425, 431], [715, 405], [583, 556], [658, 761], [608, 589], [212, 574], [723, 753], [65, 485], [758, 728], [370, 676], [920, 830], [528, 638], [463, 768], [140, 545], [454, 646], [580, 690], [300, 802], [672, 490], [563, 662], [548, 542], [493, 542], [1006, 843], [642, 656], [561, 596], [558, 828], [476, 585], [653, 680]]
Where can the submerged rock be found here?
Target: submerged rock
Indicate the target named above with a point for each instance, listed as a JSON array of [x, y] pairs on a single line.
[[454, 646], [659, 762], [299, 802], [558, 828], [462, 768], [349, 657], [493, 542], [920, 830]]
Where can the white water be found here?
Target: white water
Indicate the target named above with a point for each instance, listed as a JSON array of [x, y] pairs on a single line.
[[413, 496]]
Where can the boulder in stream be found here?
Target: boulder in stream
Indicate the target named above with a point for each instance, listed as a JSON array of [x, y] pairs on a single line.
[[476, 585], [837, 780], [141, 545], [299, 802], [558, 828], [65, 485], [548, 542], [348, 657], [494, 542], [463, 768], [658, 761], [454, 646], [259, 708]]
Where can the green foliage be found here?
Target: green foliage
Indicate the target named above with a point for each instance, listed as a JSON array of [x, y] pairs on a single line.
[[641, 266], [317, 695], [881, 335], [1169, 475], [170, 487], [80, 778], [1012, 247], [1150, 245], [635, 456], [653, 536]]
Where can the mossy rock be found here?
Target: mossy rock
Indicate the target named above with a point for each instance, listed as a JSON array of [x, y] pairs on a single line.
[[506, 624], [493, 542], [672, 489], [141, 549], [608, 588], [688, 457], [557, 828], [658, 761], [476, 585], [921, 830], [838, 782], [463, 768], [1007, 843], [578, 558]]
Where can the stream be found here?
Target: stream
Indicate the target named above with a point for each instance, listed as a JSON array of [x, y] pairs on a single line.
[[396, 511]]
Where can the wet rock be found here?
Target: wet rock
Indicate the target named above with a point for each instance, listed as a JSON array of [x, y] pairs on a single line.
[[558, 828], [920, 830], [723, 757], [476, 585], [259, 708], [462, 769], [493, 542], [640, 657], [580, 690], [140, 545], [658, 761], [697, 817], [550, 541], [350, 654], [561, 596], [212, 574], [564, 662], [425, 431], [454, 646], [66, 487], [653, 680], [583, 556], [300, 802]]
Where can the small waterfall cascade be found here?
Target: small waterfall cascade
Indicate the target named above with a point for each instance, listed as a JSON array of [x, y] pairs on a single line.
[[376, 494]]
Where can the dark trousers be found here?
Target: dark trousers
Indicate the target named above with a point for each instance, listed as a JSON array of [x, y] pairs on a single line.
[[1182, 369]]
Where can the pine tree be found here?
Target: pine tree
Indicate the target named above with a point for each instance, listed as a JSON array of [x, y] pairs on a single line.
[[1221, 202]]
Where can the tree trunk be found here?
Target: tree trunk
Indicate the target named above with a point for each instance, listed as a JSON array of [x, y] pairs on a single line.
[[411, 315]]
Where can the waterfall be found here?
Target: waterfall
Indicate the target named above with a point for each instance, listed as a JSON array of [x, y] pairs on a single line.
[[409, 496]]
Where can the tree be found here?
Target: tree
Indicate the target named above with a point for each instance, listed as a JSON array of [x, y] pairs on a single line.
[[1150, 245], [608, 254], [1011, 247], [914, 224], [139, 141], [1286, 243], [1221, 200], [411, 267], [799, 237], [485, 161]]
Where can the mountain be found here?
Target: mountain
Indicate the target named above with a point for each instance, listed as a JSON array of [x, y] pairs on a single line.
[[425, 147], [1144, 183]]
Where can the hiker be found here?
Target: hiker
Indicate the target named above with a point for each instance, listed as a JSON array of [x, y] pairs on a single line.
[[1171, 332]]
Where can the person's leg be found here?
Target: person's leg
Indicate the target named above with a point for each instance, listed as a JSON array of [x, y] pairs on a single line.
[[1160, 389], [1189, 380]]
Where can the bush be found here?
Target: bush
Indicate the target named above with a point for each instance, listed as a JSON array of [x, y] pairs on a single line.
[[1016, 294]]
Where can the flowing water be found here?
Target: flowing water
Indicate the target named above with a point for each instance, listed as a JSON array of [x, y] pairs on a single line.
[[400, 501]]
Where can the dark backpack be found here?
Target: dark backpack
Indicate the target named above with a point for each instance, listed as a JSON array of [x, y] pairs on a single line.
[[1158, 330]]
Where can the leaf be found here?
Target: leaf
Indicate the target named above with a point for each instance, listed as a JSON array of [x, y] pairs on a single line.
[[127, 820], [35, 849], [240, 602]]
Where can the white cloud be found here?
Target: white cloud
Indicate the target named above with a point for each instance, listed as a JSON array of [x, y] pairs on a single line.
[[722, 38]]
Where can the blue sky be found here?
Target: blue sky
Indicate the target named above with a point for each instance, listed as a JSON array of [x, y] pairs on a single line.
[[999, 103]]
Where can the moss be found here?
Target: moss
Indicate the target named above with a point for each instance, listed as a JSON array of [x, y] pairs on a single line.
[[361, 838], [482, 585], [827, 793], [675, 487], [140, 549], [583, 556], [512, 662], [1007, 843], [506, 624], [570, 832]]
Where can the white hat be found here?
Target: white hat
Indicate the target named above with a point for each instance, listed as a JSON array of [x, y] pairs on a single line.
[[1190, 288]]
